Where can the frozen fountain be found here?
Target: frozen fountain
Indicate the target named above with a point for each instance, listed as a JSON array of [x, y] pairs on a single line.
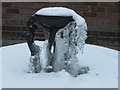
[[67, 35]]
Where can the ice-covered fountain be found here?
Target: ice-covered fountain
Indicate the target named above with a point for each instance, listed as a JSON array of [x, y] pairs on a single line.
[[67, 35]]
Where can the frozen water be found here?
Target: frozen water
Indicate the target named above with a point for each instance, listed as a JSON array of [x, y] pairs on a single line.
[[68, 40]]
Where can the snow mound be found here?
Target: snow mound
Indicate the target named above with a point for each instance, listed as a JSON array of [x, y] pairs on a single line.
[[61, 11], [103, 64]]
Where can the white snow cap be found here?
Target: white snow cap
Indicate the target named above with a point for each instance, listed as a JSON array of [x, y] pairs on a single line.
[[61, 11]]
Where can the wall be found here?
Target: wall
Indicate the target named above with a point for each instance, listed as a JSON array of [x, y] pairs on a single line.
[[102, 19]]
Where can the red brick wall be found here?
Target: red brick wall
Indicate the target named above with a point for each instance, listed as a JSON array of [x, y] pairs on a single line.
[[102, 19]]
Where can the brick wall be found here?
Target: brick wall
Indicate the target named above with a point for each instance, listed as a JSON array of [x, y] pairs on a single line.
[[0, 24], [102, 19]]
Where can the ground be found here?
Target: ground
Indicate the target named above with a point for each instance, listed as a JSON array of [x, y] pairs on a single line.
[[103, 73]]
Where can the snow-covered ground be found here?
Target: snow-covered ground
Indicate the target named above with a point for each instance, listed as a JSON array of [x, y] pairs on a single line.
[[0, 68], [103, 64]]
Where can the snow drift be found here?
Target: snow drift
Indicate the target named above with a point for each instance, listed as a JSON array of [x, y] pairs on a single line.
[[103, 63]]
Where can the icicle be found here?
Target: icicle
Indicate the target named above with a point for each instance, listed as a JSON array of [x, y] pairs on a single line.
[[35, 64], [68, 46]]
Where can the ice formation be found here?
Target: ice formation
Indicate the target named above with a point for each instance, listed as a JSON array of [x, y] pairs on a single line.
[[79, 34], [69, 40]]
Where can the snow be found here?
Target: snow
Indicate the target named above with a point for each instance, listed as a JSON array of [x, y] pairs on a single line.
[[0, 69], [61, 11], [103, 73]]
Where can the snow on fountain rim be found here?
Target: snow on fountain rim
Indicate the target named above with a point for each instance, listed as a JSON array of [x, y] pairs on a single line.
[[61, 11]]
